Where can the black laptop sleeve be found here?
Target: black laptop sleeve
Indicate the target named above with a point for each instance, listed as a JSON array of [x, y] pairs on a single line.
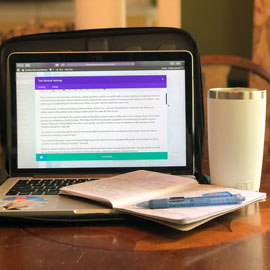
[[120, 39]]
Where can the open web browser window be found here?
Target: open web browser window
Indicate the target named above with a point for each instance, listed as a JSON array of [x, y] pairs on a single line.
[[101, 114]]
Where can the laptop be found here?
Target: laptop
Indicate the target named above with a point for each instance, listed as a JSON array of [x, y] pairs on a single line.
[[79, 116]]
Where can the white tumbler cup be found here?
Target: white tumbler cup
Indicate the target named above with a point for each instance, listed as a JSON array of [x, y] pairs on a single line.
[[236, 127]]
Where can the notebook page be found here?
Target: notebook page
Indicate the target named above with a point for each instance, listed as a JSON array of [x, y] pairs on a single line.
[[131, 188]]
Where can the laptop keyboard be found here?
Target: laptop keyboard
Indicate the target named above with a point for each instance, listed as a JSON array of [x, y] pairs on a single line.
[[43, 186]]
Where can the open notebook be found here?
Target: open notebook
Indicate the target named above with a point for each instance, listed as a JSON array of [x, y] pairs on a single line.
[[73, 117], [125, 193]]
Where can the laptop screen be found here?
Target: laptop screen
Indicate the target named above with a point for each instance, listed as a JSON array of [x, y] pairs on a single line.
[[102, 111]]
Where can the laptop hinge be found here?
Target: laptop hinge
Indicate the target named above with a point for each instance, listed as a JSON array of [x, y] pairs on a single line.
[[3, 175]]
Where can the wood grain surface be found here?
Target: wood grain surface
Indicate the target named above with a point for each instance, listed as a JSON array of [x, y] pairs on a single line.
[[238, 240]]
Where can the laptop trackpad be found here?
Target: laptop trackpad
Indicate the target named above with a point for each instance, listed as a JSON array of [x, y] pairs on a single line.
[[74, 203]]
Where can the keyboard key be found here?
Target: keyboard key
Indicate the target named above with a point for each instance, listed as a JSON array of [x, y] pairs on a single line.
[[51, 192], [24, 193], [21, 182], [12, 192]]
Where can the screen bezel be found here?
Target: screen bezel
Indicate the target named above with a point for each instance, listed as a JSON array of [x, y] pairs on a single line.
[[15, 58]]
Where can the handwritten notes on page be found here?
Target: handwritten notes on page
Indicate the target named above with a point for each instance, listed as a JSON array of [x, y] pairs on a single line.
[[129, 188]]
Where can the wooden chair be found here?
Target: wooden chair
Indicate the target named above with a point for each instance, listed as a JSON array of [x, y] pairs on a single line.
[[216, 70]]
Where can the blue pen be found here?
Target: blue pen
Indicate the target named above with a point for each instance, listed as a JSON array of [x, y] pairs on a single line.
[[209, 199]]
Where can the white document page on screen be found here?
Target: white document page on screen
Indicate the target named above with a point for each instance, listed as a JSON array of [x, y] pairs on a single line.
[[105, 123], [85, 126]]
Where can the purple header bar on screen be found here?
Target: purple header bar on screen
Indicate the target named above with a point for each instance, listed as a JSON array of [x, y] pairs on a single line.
[[100, 82]]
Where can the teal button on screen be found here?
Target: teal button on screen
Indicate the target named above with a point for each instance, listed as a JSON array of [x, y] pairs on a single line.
[[102, 156]]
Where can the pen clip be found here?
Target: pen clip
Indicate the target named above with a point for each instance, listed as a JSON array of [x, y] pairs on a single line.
[[218, 194]]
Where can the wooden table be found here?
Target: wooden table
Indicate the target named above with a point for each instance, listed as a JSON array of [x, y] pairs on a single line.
[[239, 240]]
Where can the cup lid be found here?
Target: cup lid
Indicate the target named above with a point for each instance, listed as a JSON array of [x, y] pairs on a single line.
[[236, 93]]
